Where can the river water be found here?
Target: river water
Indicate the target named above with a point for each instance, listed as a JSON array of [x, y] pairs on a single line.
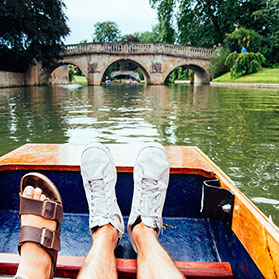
[[237, 128]]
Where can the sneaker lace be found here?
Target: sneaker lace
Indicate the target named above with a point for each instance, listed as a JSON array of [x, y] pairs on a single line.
[[100, 204], [150, 198]]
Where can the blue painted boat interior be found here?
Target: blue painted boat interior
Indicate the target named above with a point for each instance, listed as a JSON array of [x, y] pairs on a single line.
[[187, 235]]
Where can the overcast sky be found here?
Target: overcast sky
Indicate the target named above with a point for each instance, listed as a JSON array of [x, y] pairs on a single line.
[[130, 15]]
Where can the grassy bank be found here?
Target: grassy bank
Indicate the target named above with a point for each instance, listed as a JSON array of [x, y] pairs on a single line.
[[263, 76], [80, 79]]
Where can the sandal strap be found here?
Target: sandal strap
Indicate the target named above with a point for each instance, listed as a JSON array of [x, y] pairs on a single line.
[[43, 236], [48, 209], [47, 239]]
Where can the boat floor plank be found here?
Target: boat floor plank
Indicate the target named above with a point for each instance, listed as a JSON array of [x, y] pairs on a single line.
[[181, 237]]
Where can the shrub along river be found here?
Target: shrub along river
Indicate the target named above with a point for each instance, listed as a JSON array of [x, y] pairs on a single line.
[[237, 128]]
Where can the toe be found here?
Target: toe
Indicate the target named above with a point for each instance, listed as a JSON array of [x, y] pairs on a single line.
[[43, 197], [37, 193], [28, 192]]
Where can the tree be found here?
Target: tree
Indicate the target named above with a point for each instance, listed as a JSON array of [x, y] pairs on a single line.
[[180, 73], [31, 31], [244, 63], [165, 11], [106, 32], [130, 38], [143, 37], [205, 22], [150, 37], [240, 37], [269, 15], [217, 65], [214, 18]]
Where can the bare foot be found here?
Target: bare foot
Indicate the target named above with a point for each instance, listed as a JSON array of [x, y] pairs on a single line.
[[35, 262]]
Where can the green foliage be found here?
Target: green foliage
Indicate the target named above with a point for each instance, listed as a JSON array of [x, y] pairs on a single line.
[[269, 16], [180, 73], [31, 30], [190, 28], [141, 76], [206, 22], [165, 12], [244, 37], [106, 32], [217, 65], [171, 78], [143, 37], [244, 63], [150, 37], [71, 73], [130, 38], [78, 72], [231, 58]]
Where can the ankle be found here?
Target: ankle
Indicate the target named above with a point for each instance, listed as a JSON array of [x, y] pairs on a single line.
[[35, 262], [142, 232], [107, 233]]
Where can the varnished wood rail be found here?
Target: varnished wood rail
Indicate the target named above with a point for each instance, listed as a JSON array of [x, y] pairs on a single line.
[[68, 267]]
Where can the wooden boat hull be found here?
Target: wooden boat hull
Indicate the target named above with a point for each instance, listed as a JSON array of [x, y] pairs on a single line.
[[202, 247]]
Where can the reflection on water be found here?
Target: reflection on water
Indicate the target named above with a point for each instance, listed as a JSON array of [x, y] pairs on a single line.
[[237, 128]]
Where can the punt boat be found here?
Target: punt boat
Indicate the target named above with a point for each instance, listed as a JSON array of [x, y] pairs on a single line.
[[211, 229]]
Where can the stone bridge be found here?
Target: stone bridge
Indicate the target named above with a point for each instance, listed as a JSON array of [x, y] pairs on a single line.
[[156, 61]]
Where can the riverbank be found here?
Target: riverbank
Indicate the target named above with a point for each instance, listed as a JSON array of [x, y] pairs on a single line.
[[80, 79], [265, 76], [237, 84], [247, 85]]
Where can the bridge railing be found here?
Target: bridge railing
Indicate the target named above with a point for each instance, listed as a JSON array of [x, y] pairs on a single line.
[[138, 48]]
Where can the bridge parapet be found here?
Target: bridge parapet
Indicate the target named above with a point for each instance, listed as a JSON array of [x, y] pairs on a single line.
[[139, 48]]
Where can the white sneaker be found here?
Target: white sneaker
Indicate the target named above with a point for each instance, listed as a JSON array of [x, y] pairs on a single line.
[[99, 178], [151, 178]]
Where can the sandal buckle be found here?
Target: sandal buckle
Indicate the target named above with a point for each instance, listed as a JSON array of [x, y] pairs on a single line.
[[47, 240], [44, 209]]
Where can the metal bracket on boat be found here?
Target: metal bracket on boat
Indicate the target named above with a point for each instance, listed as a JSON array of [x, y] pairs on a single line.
[[217, 203]]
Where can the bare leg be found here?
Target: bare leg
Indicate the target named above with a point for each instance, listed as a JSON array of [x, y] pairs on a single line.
[[35, 262], [99, 178], [153, 261], [100, 261]]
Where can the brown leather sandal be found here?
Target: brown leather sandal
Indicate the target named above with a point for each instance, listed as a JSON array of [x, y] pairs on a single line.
[[51, 208]]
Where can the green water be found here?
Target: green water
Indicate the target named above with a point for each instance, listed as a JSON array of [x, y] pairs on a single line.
[[237, 128]]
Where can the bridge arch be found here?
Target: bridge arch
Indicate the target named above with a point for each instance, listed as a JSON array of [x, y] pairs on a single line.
[[138, 64], [202, 76], [133, 74], [45, 75]]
